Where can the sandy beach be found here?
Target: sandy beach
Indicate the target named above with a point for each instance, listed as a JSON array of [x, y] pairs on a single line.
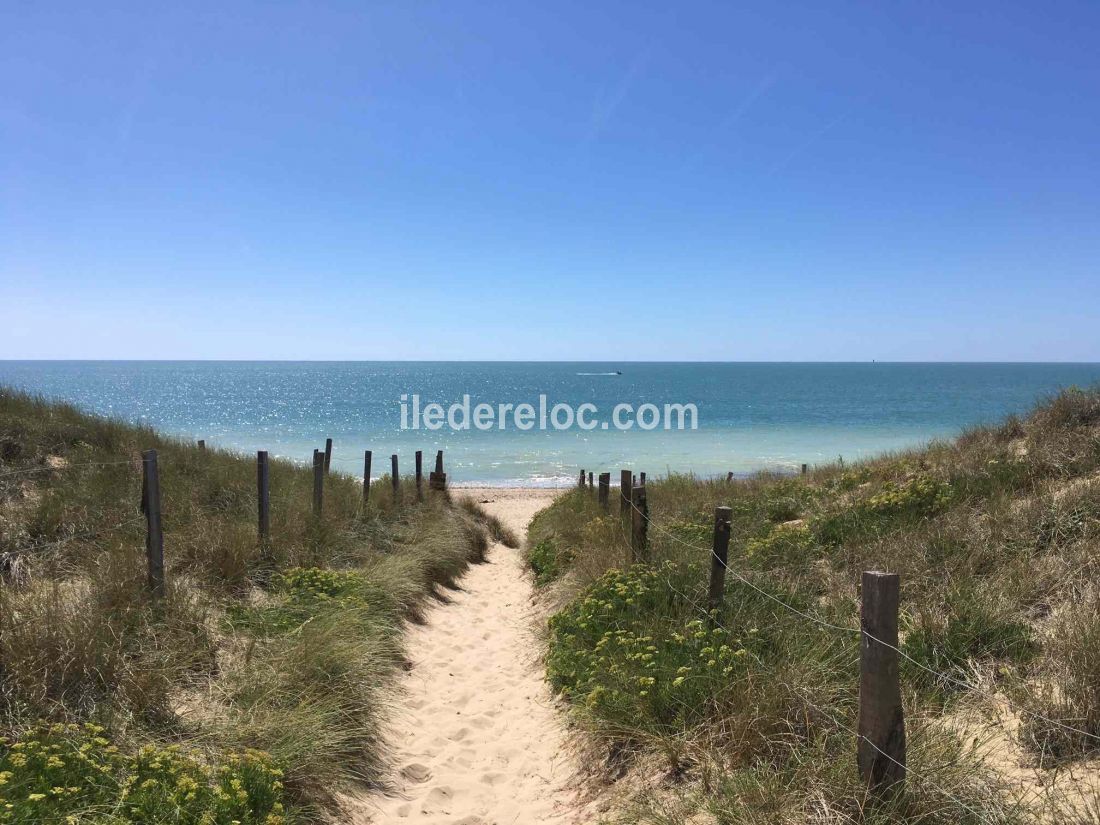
[[478, 739]]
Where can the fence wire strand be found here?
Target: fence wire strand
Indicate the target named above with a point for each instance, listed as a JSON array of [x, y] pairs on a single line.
[[46, 467], [860, 631], [706, 614]]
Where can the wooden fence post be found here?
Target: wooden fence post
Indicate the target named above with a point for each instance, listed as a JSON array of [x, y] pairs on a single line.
[[328, 454], [437, 479], [639, 524], [605, 489], [625, 485], [591, 486], [641, 479], [366, 477], [718, 557], [318, 482], [263, 496], [395, 479], [804, 468], [419, 475], [154, 535], [581, 482], [881, 747]]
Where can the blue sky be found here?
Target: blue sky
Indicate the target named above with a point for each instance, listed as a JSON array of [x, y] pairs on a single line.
[[557, 180]]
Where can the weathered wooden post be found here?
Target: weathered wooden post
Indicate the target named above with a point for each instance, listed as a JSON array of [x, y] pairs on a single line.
[[437, 479], [202, 445], [625, 485], [605, 489], [804, 469], [419, 475], [328, 454], [366, 478], [881, 748], [591, 486], [641, 479], [263, 496], [318, 482], [580, 483], [395, 478], [639, 524], [154, 536], [719, 555]]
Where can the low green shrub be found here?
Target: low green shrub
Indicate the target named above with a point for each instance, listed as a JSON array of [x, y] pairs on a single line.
[[895, 505], [68, 773], [302, 593], [781, 545], [548, 561], [629, 653]]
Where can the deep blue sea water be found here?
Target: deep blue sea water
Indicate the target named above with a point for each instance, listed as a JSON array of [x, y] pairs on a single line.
[[751, 416]]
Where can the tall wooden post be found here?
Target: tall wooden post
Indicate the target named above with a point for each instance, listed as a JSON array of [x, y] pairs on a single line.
[[437, 479], [639, 524], [626, 483], [366, 478], [641, 479], [580, 483], [154, 536], [719, 555], [395, 479], [881, 748], [419, 475], [328, 454], [804, 469], [318, 482], [591, 486], [605, 489], [263, 496]]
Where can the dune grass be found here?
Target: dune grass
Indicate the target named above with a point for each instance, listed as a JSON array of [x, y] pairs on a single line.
[[995, 537], [254, 691]]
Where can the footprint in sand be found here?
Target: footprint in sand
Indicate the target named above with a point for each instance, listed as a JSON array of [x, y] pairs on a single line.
[[482, 743], [415, 772]]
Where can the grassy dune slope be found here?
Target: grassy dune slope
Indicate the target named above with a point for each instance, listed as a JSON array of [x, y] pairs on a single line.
[[255, 690], [995, 536]]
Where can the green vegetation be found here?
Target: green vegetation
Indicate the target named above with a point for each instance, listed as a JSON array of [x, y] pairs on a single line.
[[52, 771], [254, 691], [754, 706]]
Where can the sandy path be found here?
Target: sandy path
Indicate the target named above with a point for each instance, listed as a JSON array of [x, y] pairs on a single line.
[[479, 741]]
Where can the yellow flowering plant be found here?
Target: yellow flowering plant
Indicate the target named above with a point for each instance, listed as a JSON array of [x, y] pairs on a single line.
[[634, 651], [65, 772]]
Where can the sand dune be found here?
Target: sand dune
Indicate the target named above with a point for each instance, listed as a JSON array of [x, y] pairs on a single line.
[[479, 740]]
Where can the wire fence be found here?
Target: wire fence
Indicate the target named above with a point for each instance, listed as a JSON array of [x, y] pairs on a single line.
[[629, 539], [152, 500], [710, 616], [940, 675]]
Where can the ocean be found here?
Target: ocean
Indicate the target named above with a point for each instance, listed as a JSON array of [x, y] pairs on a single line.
[[750, 416]]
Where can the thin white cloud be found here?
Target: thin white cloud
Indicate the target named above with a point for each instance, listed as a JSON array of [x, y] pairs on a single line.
[[607, 102], [731, 119], [804, 145]]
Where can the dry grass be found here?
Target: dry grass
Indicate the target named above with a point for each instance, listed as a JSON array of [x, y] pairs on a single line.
[[995, 537], [237, 655]]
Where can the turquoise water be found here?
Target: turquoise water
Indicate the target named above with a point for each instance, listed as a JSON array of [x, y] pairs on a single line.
[[751, 416]]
